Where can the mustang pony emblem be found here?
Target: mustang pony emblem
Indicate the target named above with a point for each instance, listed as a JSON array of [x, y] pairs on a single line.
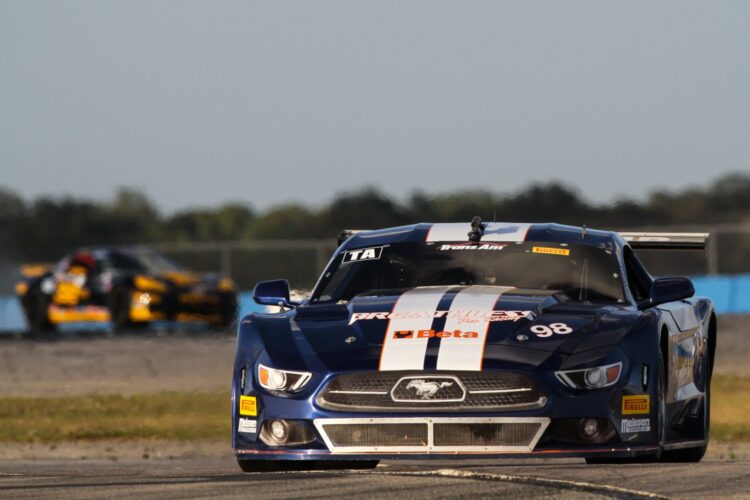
[[425, 390]]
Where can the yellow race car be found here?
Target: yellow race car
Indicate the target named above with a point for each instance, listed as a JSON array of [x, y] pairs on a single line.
[[127, 287]]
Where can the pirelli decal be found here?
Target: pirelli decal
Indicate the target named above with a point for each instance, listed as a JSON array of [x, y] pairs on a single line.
[[402, 352], [462, 338], [551, 250], [636, 405]]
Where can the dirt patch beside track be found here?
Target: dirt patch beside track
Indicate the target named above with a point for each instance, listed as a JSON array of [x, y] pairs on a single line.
[[131, 364]]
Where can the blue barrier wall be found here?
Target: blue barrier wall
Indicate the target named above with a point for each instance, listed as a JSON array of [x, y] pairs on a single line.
[[730, 293], [11, 315]]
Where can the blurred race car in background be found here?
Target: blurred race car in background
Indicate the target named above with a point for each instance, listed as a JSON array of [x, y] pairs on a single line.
[[129, 287]]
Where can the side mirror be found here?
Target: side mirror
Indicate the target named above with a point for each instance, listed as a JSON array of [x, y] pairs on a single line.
[[273, 293], [670, 289]]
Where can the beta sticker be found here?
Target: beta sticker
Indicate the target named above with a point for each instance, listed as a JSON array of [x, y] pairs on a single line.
[[630, 425], [428, 334], [248, 406], [636, 405], [247, 425], [373, 253], [550, 251]]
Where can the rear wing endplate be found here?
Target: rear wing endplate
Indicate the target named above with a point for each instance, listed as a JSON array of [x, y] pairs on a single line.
[[667, 241]]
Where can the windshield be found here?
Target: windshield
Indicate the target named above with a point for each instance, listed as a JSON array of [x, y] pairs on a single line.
[[582, 273], [144, 261]]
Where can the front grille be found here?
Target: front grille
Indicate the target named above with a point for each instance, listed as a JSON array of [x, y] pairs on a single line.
[[413, 391], [431, 435], [377, 435], [510, 434]]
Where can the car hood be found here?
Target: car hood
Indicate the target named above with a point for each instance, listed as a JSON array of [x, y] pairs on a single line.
[[435, 328]]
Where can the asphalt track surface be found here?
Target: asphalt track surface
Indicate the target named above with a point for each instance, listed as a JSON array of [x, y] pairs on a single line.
[[83, 364], [204, 478]]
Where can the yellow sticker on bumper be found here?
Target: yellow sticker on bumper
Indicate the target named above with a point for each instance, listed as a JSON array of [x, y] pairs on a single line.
[[550, 251], [248, 406], [636, 405]]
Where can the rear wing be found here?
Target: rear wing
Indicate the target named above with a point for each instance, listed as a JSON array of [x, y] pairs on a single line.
[[640, 241], [35, 270], [667, 241]]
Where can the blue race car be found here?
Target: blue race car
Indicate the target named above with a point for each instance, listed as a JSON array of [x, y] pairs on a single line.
[[477, 340]]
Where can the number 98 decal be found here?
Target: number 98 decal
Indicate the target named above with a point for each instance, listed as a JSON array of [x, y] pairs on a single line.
[[551, 329]]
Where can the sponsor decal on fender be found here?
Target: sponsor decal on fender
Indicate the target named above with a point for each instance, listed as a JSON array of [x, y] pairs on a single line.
[[452, 314], [248, 406], [630, 425], [636, 405], [428, 334], [550, 250], [472, 246], [247, 425]]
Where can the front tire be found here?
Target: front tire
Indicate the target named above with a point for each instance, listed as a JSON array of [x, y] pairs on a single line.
[[119, 309], [228, 311], [36, 307], [701, 426]]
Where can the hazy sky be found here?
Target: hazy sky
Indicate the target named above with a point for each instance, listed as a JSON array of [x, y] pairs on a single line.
[[202, 102]]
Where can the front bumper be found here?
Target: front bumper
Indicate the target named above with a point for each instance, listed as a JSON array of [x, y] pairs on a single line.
[[559, 427], [572, 452], [209, 307]]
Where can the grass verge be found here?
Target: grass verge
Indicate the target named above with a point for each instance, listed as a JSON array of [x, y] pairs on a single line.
[[186, 416], [730, 408], [179, 416]]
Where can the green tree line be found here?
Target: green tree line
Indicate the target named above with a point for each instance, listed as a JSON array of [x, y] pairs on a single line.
[[43, 227]]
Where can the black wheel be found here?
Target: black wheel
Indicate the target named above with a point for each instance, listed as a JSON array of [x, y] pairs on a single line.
[[228, 312], [304, 465], [698, 427], [119, 310], [36, 307]]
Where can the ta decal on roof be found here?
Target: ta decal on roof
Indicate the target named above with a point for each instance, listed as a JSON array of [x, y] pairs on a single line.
[[363, 254]]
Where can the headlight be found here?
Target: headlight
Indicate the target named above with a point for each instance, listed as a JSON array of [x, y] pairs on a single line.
[[590, 378], [282, 380]]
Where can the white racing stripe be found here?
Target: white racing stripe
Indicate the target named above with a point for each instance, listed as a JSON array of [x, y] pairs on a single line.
[[409, 353], [493, 231], [460, 353]]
